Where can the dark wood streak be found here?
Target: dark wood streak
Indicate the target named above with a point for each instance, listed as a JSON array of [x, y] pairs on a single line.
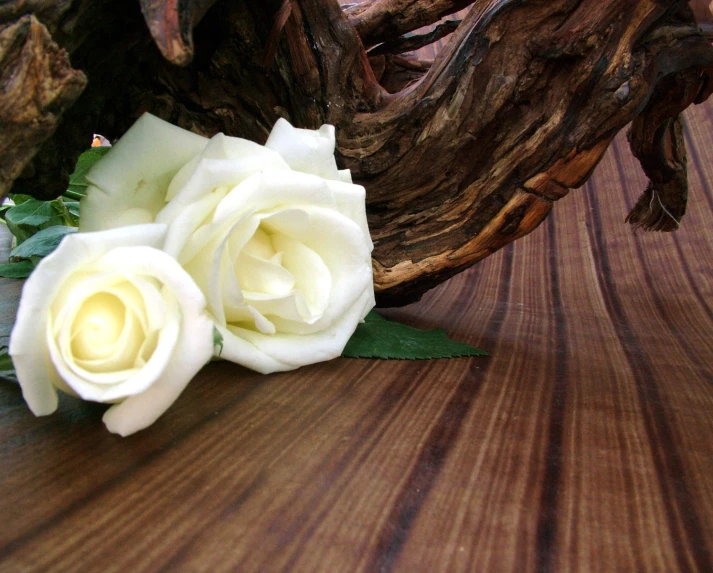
[[425, 470], [707, 192], [695, 158], [679, 503], [551, 482], [180, 554], [390, 403]]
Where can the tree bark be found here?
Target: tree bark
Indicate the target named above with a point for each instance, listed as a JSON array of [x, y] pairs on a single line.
[[459, 156], [38, 85]]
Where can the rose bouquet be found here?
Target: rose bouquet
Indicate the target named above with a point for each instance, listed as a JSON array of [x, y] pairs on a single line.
[[180, 235], [191, 248]]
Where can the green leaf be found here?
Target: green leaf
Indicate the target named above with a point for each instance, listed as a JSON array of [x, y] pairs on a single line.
[[62, 210], [20, 270], [31, 213], [77, 182], [7, 368], [73, 208], [378, 337], [217, 339], [18, 198], [25, 219], [41, 243]]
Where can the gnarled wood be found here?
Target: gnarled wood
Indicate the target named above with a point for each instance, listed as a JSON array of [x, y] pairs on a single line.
[[379, 21], [516, 110], [459, 156], [38, 85], [656, 138], [413, 42], [171, 24]]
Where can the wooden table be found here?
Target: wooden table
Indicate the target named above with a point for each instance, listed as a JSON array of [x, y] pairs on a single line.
[[584, 443]]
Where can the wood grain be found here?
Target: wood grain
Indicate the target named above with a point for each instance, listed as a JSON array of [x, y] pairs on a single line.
[[582, 444]]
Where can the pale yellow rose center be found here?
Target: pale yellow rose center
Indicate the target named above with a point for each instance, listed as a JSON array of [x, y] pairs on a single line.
[[108, 330], [259, 267], [97, 326]]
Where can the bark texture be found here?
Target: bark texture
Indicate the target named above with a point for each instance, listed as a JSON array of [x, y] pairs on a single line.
[[459, 155], [38, 86]]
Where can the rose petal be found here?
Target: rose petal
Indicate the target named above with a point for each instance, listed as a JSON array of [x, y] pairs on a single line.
[[262, 323], [260, 246], [182, 177], [103, 331], [225, 162], [262, 276], [75, 290], [274, 188], [313, 278], [212, 267], [296, 350], [350, 200], [305, 150], [129, 184], [145, 312], [237, 349], [193, 349], [189, 220], [116, 385], [237, 231], [144, 300], [230, 292], [340, 243], [291, 306]]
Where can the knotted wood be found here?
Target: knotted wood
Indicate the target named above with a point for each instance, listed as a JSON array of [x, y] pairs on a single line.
[[459, 156]]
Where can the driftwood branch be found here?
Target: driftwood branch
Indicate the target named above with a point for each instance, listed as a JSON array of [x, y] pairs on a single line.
[[517, 109], [379, 21], [413, 42], [171, 25], [656, 135], [459, 156], [396, 72]]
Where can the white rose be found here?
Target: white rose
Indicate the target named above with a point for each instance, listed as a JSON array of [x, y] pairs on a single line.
[[275, 235], [110, 318]]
